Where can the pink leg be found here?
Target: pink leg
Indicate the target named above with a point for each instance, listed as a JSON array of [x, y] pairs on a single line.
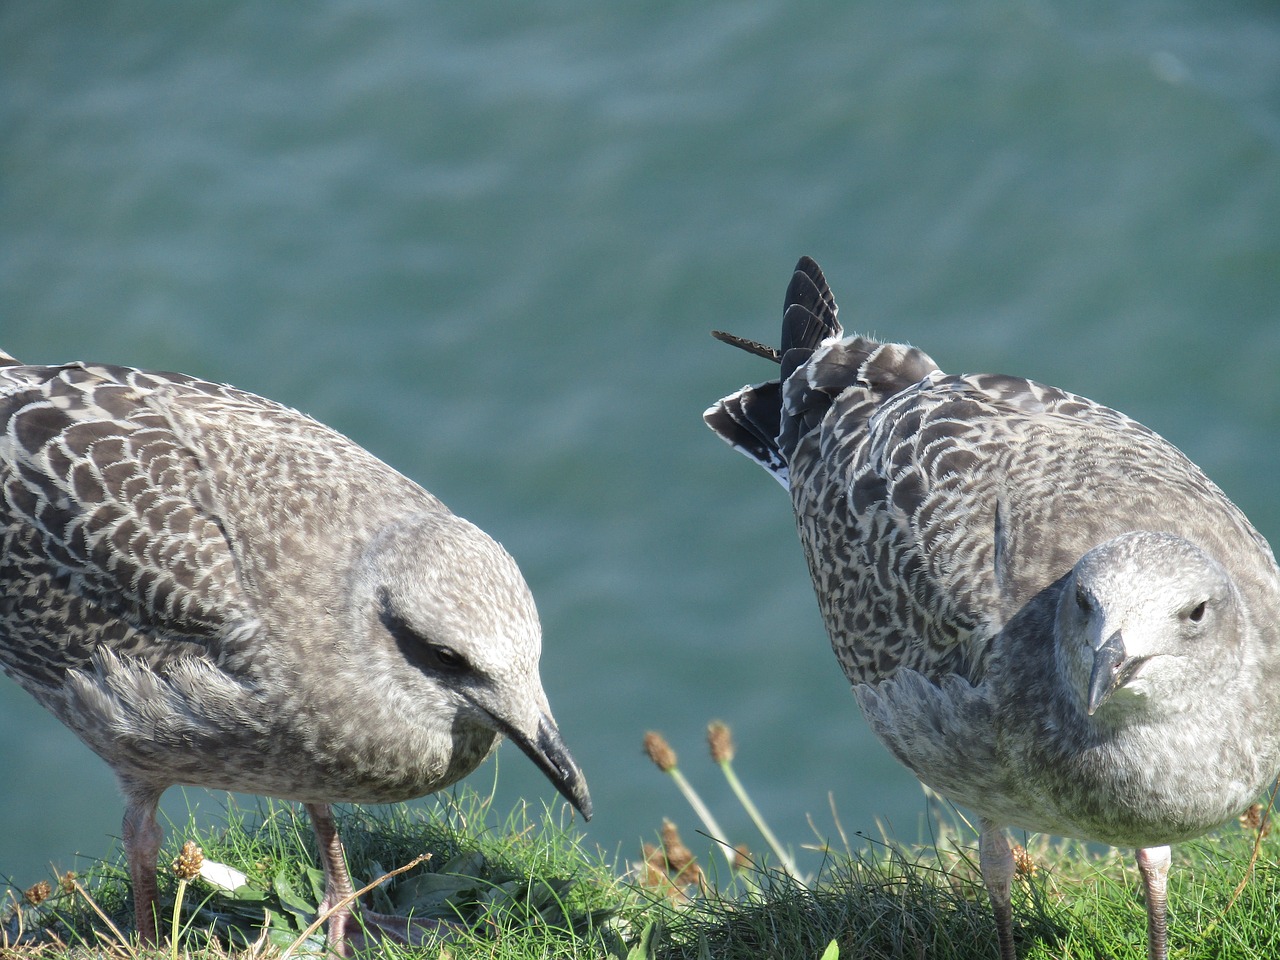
[[142, 836], [337, 879], [1153, 864], [345, 933], [995, 858]]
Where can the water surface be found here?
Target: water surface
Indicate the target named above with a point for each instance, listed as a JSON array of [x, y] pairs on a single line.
[[488, 243]]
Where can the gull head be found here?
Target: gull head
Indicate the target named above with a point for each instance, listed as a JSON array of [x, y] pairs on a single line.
[[1145, 622], [457, 635]]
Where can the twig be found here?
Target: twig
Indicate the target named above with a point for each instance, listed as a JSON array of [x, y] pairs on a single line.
[[347, 901], [1257, 845], [120, 938]]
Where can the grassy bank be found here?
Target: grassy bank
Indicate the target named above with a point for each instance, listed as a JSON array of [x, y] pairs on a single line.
[[522, 886]]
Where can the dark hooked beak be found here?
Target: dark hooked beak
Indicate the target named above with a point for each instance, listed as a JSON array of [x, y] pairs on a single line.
[[548, 751], [1111, 671]]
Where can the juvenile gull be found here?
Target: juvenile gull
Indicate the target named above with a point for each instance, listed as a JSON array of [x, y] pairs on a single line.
[[1046, 611], [212, 589]]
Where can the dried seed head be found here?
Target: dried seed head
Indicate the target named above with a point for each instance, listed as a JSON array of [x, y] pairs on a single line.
[[68, 882], [1255, 818], [653, 856], [670, 868], [678, 855], [670, 834], [659, 751], [720, 739], [742, 858], [1022, 862], [38, 894], [691, 875], [654, 868], [189, 862]]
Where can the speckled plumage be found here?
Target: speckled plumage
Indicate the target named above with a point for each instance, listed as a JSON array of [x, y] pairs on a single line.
[[212, 589], [950, 522]]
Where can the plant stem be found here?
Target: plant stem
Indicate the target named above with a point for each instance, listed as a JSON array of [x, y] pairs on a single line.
[[784, 858], [177, 910], [700, 808]]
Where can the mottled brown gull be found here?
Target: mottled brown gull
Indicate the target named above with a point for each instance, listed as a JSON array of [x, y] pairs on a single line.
[[212, 589], [1046, 610]]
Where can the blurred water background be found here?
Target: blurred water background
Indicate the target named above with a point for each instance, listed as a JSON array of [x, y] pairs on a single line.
[[487, 240]]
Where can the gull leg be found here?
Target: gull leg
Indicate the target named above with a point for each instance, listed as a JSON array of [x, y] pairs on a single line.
[[995, 858], [1153, 864], [142, 835], [345, 933], [337, 878]]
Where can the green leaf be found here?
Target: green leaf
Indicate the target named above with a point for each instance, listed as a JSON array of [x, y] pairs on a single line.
[[465, 864], [315, 877], [434, 895], [647, 948], [289, 898], [832, 952], [248, 894]]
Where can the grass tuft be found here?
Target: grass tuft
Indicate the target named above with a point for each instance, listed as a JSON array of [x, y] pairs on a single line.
[[522, 886], [510, 881]]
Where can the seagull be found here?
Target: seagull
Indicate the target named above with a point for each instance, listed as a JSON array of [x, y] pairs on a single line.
[[212, 589], [1046, 611]]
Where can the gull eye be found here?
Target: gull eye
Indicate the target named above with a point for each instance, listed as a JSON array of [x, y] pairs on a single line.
[[1196, 613], [417, 649], [446, 659]]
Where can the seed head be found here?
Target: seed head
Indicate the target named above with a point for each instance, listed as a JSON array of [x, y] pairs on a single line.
[[678, 855], [1255, 818], [654, 869], [1022, 862], [659, 751], [720, 739], [68, 882], [189, 862], [38, 894], [653, 856]]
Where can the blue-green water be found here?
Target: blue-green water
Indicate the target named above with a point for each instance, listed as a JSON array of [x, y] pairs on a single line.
[[488, 240]]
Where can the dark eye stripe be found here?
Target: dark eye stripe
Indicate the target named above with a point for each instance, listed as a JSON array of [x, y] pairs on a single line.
[[417, 649], [447, 659]]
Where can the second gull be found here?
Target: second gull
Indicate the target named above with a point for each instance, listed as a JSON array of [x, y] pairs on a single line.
[[1046, 611]]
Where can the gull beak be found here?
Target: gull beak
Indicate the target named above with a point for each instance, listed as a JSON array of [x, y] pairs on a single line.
[[547, 750], [1111, 671]]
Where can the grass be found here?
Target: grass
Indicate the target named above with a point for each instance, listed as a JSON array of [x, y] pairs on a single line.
[[519, 887], [523, 886]]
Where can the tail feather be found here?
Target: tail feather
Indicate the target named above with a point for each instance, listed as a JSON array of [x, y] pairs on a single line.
[[767, 421], [7, 361], [810, 311], [750, 421], [808, 316]]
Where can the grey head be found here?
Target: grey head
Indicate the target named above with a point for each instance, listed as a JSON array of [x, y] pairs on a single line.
[[456, 635], [1147, 623]]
